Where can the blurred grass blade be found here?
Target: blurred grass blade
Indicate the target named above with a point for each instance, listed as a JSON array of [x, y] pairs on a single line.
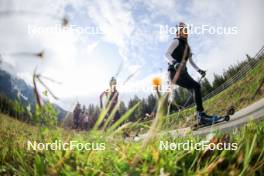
[[119, 68], [103, 113], [111, 115], [130, 76], [124, 117], [101, 117], [248, 154], [157, 122]]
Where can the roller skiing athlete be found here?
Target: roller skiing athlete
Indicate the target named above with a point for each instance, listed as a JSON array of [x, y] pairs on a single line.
[[178, 53]]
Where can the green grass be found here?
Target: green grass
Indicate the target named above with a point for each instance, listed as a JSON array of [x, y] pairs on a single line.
[[122, 157]]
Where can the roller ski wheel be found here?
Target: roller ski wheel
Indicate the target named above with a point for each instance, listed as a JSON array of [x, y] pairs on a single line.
[[195, 127], [227, 118], [230, 111]]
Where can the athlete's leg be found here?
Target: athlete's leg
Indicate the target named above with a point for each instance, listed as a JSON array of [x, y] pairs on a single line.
[[186, 81]]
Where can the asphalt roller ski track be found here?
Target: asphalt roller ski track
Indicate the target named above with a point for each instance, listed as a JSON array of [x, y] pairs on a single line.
[[252, 112]]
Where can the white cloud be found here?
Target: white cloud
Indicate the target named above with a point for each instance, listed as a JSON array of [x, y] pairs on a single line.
[[115, 17], [132, 26], [168, 8]]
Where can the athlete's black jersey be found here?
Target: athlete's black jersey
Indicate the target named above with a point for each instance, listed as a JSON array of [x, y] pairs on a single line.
[[178, 52]]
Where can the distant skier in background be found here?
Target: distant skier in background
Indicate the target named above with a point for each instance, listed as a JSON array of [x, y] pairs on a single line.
[[178, 49], [86, 120], [76, 115], [112, 99]]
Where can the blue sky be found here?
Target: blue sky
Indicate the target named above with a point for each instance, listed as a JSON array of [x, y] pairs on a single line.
[[84, 63]]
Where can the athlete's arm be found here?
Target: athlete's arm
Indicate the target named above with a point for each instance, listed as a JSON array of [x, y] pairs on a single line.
[[170, 50], [193, 64], [202, 72]]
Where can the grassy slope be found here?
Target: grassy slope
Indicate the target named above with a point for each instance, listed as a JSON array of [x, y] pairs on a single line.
[[122, 157], [240, 94]]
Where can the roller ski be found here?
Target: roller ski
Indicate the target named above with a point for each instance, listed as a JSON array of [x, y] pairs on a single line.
[[204, 120]]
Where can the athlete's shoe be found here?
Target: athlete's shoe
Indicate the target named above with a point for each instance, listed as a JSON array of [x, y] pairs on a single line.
[[203, 118]]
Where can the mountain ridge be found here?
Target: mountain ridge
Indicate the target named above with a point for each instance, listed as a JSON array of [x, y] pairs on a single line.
[[13, 87]]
